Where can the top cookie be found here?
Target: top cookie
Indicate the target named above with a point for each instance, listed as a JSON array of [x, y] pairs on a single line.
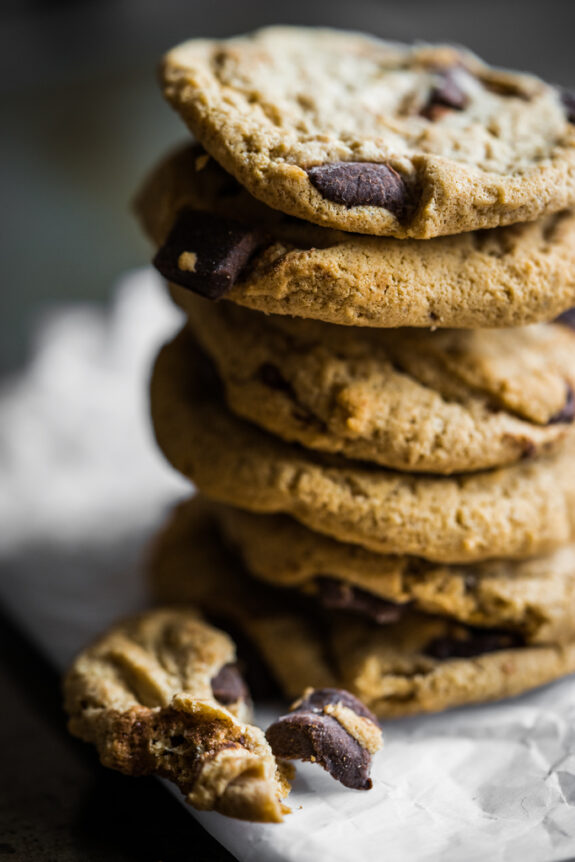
[[374, 137]]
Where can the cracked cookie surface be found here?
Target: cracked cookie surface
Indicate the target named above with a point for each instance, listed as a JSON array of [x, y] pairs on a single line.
[[505, 277], [514, 512], [449, 401], [373, 137], [420, 664], [159, 694]]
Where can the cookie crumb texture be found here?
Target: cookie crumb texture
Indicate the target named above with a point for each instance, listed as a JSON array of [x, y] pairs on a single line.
[[375, 137], [159, 694]]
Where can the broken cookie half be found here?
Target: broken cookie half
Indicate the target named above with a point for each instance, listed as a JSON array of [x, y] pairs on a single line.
[[160, 693]]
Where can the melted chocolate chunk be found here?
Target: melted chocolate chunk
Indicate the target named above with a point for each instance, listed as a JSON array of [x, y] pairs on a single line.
[[567, 413], [445, 94], [206, 253], [321, 739], [310, 733], [568, 100], [356, 184], [336, 594], [320, 697], [476, 643], [567, 318], [228, 685]]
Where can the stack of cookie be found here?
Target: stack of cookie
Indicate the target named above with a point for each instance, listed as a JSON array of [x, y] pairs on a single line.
[[377, 414]]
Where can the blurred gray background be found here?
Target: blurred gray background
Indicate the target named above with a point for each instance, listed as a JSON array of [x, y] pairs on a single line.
[[82, 117]]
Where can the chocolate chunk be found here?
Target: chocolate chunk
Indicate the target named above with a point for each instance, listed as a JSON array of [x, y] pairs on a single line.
[[312, 732], [336, 594], [206, 253], [228, 685], [445, 94], [317, 698], [568, 100], [567, 318], [355, 184], [307, 736], [567, 412], [475, 643]]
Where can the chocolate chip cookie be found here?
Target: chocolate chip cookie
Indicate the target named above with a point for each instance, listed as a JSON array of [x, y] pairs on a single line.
[[421, 663], [374, 137], [509, 276], [160, 694], [331, 727], [534, 597], [449, 401], [515, 512]]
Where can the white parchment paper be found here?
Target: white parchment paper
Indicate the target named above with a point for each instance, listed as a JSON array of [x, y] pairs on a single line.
[[81, 489]]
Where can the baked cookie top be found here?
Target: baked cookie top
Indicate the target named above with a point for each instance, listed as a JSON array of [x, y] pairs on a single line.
[[505, 277], [449, 401], [420, 664], [514, 512], [374, 137], [159, 693]]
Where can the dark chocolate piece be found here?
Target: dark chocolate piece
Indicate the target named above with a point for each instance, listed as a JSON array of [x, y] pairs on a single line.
[[228, 685], [336, 594], [310, 733], [356, 184], [446, 93], [567, 412], [476, 643], [317, 698], [206, 253], [567, 318], [568, 100], [308, 736]]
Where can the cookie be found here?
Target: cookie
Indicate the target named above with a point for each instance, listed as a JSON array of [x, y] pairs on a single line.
[[505, 277], [449, 401], [420, 664], [374, 137], [424, 664], [532, 597], [159, 694], [517, 511]]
